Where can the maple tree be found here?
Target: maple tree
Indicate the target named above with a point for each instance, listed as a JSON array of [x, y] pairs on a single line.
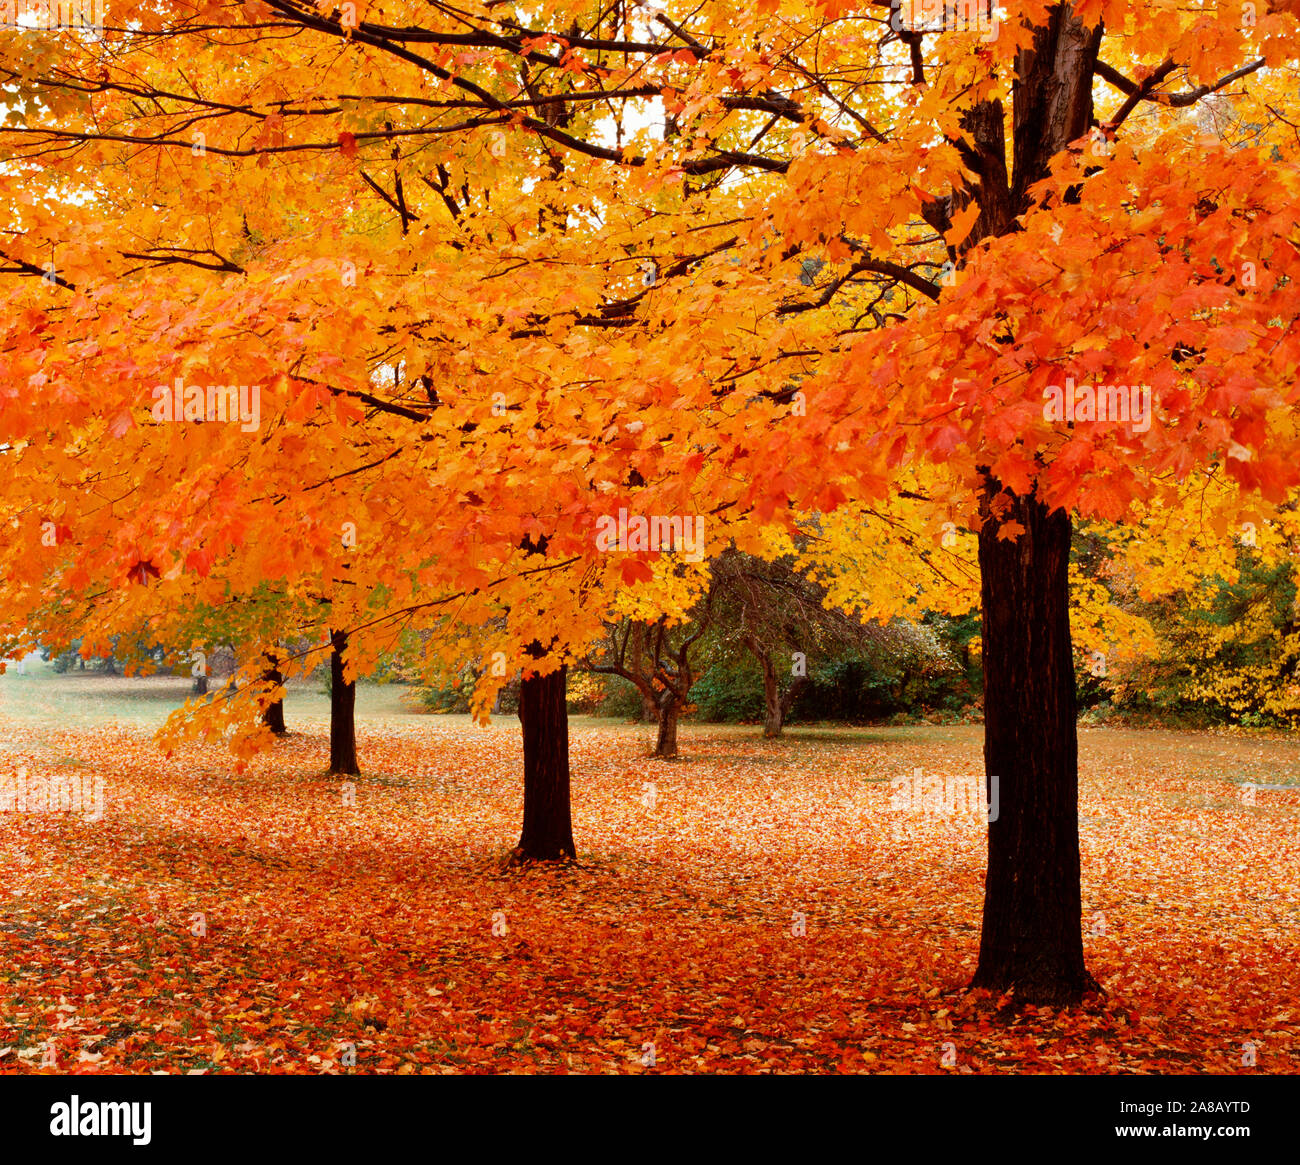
[[516, 269]]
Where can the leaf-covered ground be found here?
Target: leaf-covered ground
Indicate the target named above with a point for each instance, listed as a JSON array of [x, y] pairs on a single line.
[[329, 925]]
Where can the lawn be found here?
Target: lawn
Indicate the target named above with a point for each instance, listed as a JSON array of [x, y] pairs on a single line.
[[754, 907]]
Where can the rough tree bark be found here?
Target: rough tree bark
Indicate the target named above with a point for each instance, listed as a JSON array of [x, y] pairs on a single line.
[[1032, 936], [273, 715], [548, 824], [343, 699], [675, 693], [649, 709], [776, 705], [544, 717], [666, 737]]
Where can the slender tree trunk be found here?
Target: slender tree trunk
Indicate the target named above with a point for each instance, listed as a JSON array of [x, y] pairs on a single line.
[[1032, 937], [787, 700], [548, 825], [649, 710], [343, 699], [772, 715], [666, 740], [776, 705], [273, 716]]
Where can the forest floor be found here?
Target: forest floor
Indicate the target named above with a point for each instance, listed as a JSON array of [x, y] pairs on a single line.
[[756, 906]]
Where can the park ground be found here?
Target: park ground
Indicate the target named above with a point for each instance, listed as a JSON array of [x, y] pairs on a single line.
[[753, 907]]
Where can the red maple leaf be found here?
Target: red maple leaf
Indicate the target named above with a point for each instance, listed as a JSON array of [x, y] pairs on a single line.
[[141, 573]]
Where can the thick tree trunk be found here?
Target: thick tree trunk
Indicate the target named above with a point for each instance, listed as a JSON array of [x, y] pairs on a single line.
[[343, 699], [666, 739], [273, 715], [544, 719], [1032, 938], [548, 825], [200, 685]]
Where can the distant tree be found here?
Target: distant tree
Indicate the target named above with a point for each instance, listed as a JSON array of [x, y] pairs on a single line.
[[781, 617], [661, 659]]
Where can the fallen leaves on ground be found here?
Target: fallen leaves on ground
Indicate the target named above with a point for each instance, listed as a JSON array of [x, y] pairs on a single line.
[[223, 921]]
